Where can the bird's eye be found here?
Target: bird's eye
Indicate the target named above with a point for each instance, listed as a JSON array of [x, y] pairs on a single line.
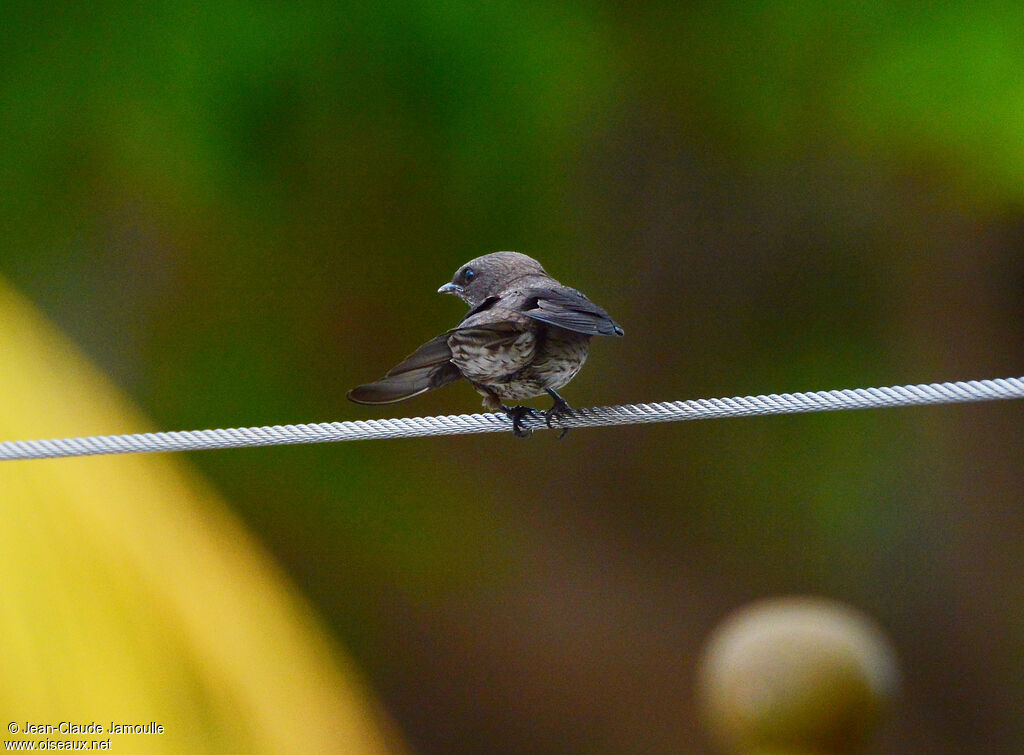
[[468, 274]]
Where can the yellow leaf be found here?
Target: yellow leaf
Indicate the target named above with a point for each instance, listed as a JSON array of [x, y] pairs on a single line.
[[129, 593]]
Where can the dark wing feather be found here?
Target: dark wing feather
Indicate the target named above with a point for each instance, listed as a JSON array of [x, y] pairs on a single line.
[[485, 337], [567, 308], [486, 304], [426, 368], [434, 352]]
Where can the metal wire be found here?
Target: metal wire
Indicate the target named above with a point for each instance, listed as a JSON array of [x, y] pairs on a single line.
[[418, 427]]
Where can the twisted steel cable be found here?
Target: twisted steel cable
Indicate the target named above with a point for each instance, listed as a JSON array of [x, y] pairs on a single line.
[[418, 427]]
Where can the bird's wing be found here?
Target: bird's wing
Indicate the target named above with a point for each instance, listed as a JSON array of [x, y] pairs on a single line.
[[492, 345], [486, 304], [426, 368], [434, 352], [567, 308]]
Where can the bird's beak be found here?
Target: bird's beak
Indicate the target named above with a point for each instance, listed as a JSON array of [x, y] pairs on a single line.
[[450, 288]]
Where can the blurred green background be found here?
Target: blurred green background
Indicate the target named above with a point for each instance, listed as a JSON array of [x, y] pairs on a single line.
[[239, 211]]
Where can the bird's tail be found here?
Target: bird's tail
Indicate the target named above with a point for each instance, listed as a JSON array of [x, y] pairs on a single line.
[[427, 368]]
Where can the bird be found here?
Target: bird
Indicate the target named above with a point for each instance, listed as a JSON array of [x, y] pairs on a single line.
[[524, 335]]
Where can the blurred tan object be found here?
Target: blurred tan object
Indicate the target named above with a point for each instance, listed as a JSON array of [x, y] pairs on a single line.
[[796, 675], [130, 595]]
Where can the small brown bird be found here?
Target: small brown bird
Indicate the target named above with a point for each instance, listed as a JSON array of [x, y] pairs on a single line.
[[525, 335]]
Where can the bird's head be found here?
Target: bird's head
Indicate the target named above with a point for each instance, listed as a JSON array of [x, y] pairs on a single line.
[[490, 275]]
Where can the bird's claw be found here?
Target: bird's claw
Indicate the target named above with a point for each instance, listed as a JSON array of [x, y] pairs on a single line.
[[516, 414], [560, 408]]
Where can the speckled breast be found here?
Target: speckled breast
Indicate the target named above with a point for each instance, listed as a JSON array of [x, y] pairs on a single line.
[[559, 356]]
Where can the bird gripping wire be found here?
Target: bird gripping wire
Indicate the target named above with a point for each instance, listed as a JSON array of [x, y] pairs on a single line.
[[419, 427]]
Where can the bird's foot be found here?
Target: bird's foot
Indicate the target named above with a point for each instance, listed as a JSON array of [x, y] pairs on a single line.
[[516, 413], [560, 408]]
